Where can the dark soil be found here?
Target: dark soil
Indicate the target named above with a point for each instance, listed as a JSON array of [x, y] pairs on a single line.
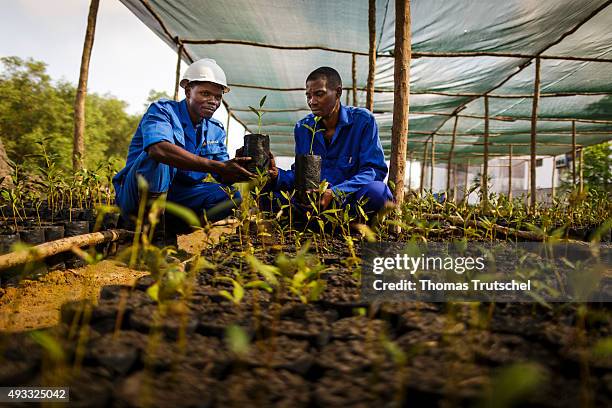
[[335, 351]]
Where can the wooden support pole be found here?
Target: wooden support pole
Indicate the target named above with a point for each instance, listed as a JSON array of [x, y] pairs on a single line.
[[78, 147], [554, 168], [422, 181], [51, 248], [401, 100], [177, 79], [466, 180], [573, 154], [229, 117], [410, 170], [484, 180], [510, 172], [450, 157], [432, 162], [581, 170], [454, 197], [534, 126], [371, 55], [354, 76]]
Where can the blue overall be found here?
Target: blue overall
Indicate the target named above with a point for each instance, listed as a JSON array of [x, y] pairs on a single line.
[[169, 121], [353, 163]]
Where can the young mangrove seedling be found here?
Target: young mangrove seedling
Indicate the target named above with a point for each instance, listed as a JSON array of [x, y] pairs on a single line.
[[313, 131], [259, 112]]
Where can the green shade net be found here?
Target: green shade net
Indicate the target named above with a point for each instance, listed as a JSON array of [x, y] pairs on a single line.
[[441, 85]]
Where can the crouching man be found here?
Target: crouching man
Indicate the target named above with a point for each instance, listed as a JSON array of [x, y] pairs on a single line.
[[177, 145], [352, 158]]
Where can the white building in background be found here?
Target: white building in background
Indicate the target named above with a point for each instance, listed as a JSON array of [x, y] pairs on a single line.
[[549, 173]]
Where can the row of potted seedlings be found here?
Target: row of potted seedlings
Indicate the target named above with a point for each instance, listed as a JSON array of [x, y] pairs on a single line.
[[46, 227]]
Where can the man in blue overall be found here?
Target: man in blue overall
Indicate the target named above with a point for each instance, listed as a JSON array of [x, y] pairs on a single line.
[[352, 158], [176, 146]]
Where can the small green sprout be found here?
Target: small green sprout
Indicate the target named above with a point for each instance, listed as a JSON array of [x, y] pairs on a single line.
[[313, 131], [259, 112]]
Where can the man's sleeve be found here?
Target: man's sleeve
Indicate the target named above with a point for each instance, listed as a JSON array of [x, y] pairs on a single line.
[[372, 164], [156, 126]]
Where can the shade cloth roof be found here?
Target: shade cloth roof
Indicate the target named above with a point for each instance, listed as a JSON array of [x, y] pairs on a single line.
[[461, 51]]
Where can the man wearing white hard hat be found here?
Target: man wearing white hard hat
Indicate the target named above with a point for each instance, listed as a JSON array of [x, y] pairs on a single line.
[[178, 144]]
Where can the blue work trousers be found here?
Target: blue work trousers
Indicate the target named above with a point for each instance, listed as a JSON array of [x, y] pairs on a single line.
[[162, 178]]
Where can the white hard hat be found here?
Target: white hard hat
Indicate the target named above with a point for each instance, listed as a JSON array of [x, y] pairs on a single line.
[[205, 70]]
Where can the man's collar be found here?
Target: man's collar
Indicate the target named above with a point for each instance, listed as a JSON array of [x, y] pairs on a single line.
[[184, 117], [344, 116]]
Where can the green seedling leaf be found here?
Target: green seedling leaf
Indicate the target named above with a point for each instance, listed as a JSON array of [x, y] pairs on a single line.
[[183, 213], [50, 344], [395, 352], [153, 291], [238, 293], [603, 348], [237, 340], [316, 288], [513, 384], [255, 111], [258, 284], [226, 295], [269, 272], [262, 101], [367, 233]]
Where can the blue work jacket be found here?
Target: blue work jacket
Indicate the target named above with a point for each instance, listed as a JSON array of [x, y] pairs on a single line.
[[354, 157], [168, 120]]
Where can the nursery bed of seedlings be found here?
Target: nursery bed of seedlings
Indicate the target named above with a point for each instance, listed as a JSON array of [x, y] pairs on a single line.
[[271, 315], [257, 322]]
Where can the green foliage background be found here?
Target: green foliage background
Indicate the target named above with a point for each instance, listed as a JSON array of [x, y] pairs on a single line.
[[598, 167], [33, 107]]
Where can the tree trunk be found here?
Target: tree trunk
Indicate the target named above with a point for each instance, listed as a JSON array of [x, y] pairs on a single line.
[[5, 170], [78, 151]]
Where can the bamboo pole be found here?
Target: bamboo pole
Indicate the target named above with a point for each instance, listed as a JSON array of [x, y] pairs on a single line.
[[461, 222], [581, 170], [507, 118], [534, 124], [410, 170], [554, 168], [229, 116], [78, 149], [432, 162], [454, 198], [574, 154], [510, 172], [177, 79], [47, 249], [430, 92], [428, 54], [371, 55], [491, 118], [484, 185], [450, 157], [354, 76], [401, 100], [422, 181], [466, 179]]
